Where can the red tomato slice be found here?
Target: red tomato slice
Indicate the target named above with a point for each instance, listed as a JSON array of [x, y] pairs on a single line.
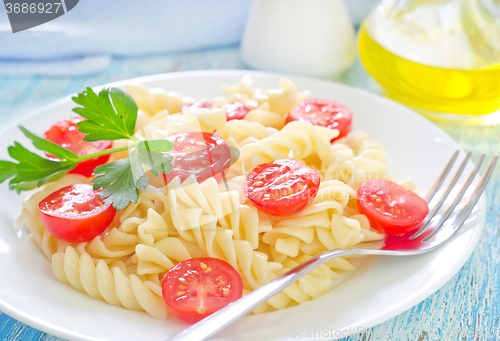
[[201, 154], [75, 213], [325, 113], [234, 111], [66, 134], [196, 105], [282, 187], [391, 208], [198, 287]]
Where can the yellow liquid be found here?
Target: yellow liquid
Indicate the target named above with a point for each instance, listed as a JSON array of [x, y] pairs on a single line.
[[456, 91]]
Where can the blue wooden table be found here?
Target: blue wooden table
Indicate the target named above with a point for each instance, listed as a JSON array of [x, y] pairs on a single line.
[[466, 308]]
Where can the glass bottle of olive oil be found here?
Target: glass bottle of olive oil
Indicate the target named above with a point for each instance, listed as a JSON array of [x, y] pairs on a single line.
[[441, 56]]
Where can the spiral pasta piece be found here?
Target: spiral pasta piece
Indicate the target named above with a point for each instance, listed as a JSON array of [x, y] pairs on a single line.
[[110, 283], [297, 140], [266, 117], [241, 92], [281, 100], [154, 100], [355, 159], [216, 242], [314, 284], [300, 231], [244, 132], [199, 120]]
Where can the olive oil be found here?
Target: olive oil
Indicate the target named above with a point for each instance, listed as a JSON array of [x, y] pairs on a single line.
[[451, 76]]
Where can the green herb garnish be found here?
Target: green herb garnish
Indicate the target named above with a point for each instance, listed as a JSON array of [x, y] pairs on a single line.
[[110, 115]]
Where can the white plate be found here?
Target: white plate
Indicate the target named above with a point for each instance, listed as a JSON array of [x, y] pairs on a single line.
[[378, 291]]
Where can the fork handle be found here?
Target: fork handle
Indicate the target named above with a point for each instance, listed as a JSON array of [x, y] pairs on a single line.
[[221, 319]]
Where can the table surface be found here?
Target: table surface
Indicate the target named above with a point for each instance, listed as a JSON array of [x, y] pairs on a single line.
[[466, 308]]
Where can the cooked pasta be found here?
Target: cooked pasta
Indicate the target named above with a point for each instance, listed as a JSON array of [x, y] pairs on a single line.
[[184, 219]]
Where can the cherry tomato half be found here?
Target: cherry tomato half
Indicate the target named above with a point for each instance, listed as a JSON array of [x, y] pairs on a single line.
[[196, 105], [201, 154], [234, 111], [75, 213], [198, 287], [325, 113], [282, 187], [391, 208], [66, 134]]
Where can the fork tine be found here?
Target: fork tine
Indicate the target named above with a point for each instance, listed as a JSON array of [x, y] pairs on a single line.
[[471, 201], [437, 205], [458, 196], [439, 181]]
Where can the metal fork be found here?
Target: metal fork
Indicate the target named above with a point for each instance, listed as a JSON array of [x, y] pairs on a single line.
[[434, 231]]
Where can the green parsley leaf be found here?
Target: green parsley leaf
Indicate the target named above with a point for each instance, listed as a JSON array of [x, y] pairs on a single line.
[[29, 185], [32, 170], [120, 181], [152, 155], [7, 170], [48, 146], [110, 116]]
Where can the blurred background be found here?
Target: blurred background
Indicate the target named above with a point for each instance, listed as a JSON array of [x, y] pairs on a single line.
[[440, 57], [97, 43], [128, 28]]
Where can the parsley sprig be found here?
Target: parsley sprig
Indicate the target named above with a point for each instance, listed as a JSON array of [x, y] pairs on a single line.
[[110, 115]]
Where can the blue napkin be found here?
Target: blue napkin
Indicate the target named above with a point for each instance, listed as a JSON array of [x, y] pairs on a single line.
[[82, 40]]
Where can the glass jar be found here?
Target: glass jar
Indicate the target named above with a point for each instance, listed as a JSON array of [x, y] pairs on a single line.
[[438, 56]]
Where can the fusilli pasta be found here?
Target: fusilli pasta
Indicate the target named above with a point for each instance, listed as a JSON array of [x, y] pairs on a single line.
[[181, 220]]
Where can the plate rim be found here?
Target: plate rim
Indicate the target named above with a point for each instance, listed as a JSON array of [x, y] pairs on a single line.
[[48, 327]]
